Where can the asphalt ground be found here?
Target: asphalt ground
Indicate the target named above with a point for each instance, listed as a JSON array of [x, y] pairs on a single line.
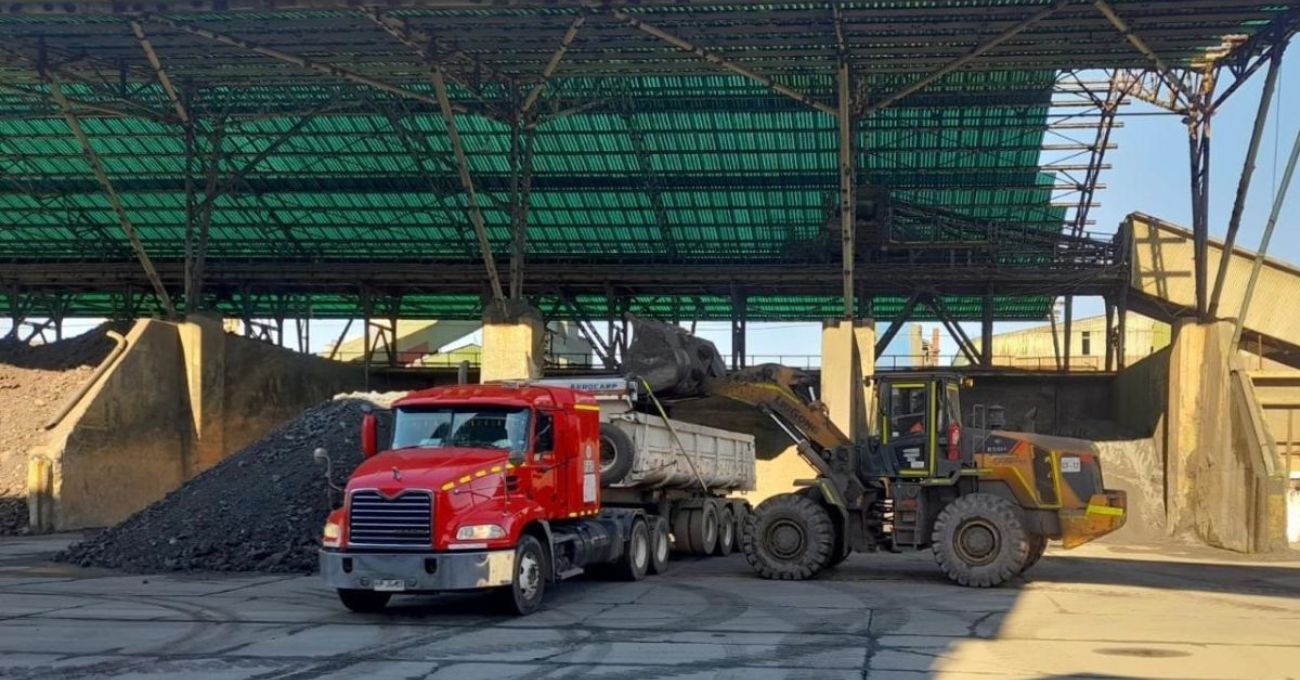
[[1143, 611]]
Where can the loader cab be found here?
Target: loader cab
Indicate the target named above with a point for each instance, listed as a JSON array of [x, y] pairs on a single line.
[[920, 426]]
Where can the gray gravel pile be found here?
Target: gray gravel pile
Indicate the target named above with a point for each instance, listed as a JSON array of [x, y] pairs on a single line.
[[261, 509]]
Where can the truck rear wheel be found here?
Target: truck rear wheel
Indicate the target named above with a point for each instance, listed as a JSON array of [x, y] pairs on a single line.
[[660, 544], [635, 561], [364, 601], [616, 453], [524, 594], [980, 540], [726, 533], [702, 529], [1037, 546], [789, 537]]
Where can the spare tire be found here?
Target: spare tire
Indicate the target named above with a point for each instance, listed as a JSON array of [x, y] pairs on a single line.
[[616, 452]]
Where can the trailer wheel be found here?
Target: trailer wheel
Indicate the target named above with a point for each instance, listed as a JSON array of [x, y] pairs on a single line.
[[682, 530], [979, 540], [363, 601], [726, 533], [789, 536], [635, 561], [702, 529], [1037, 546], [660, 545], [524, 594], [616, 453]]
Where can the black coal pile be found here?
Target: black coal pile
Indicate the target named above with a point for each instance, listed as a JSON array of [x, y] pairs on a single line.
[[261, 509], [13, 516]]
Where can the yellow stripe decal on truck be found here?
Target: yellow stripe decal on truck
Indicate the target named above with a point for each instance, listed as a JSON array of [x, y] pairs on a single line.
[[586, 407], [1105, 510]]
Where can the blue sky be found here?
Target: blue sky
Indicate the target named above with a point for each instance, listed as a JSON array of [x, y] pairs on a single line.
[[1149, 174]]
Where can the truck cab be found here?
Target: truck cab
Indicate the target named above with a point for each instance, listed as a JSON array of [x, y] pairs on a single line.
[[482, 487]]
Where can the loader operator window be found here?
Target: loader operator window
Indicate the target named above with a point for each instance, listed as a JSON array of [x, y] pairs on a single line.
[[906, 410], [473, 427]]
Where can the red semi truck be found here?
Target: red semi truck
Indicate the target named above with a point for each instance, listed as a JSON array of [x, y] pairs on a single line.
[[515, 487]]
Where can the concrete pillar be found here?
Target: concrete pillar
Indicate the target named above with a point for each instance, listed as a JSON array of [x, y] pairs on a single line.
[[512, 342], [1222, 469], [203, 348], [848, 361]]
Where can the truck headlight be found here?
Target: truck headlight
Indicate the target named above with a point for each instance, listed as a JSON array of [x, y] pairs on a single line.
[[479, 532], [331, 534]]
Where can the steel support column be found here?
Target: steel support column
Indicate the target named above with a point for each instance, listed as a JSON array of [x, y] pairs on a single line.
[[848, 218], [97, 167], [521, 169], [1110, 334], [1247, 171], [986, 330], [1069, 331], [467, 183], [181, 112], [1198, 144], [738, 324]]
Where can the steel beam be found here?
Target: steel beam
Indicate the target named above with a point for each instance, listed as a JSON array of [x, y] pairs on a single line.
[[97, 167], [986, 330], [1069, 331], [1198, 141], [1140, 45], [521, 161], [322, 67], [649, 178], [467, 183], [721, 62], [420, 42], [896, 324], [1247, 171], [569, 36], [974, 54], [1262, 251], [161, 73]]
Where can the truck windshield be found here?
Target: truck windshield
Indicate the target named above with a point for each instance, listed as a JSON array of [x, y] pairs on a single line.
[[475, 427]]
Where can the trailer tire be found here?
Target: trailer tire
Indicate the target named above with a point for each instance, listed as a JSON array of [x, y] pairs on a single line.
[[616, 454], [980, 541], [1037, 546], [660, 545], [726, 533], [524, 594], [702, 529], [788, 537], [363, 601], [634, 563], [682, 531]]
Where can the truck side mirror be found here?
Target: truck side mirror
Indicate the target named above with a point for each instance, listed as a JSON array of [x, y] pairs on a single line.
[[515, 457], [369, 435]]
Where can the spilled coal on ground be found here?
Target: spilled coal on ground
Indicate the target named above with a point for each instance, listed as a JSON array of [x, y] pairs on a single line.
[[261, 509]]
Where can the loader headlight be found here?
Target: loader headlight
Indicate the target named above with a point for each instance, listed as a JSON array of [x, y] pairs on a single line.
[[480, 532], [330, 536]]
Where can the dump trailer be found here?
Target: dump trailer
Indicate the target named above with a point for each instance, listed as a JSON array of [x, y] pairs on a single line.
[[514, 487]]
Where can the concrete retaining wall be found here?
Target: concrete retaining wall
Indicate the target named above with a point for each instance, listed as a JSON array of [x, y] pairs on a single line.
[[179, 399]]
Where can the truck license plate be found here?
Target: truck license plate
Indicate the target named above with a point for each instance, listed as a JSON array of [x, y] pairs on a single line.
[[389, 585]]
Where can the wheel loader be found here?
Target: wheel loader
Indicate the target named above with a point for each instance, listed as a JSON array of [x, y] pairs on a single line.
[[985, 502]]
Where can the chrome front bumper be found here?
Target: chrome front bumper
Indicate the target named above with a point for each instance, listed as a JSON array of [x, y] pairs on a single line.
[[422, 572]]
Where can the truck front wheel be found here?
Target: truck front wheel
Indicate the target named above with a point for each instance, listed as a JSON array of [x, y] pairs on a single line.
[[363, 601], [788, 537], [524, 595]]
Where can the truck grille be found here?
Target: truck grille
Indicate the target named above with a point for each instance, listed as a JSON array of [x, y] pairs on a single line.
[[402, 522]]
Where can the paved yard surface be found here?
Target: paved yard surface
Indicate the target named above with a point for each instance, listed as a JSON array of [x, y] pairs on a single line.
[[1108, 611]]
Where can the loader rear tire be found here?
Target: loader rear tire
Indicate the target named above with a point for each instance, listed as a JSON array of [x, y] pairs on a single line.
[[616, 453], [1037, 546], [788, 537], [980, 541]]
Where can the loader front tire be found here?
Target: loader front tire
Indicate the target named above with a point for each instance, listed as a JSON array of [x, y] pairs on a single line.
[[789, 537], [1037, 546], [980, 541]]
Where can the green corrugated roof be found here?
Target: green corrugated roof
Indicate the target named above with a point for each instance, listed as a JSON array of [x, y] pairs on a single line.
[[644, 154]]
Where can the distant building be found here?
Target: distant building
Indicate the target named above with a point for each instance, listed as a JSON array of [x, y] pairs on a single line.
[[1034, 348]]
